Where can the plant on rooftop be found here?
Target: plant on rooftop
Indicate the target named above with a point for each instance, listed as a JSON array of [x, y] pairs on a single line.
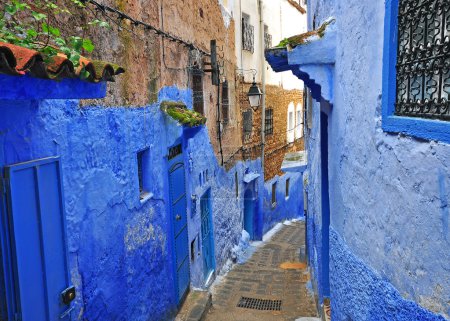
[[304, 37], [180, 113], [33, 25]]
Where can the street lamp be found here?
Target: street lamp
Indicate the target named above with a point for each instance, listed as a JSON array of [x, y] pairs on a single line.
[[254, 95]]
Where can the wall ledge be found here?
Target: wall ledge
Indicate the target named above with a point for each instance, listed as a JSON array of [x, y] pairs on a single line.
[[30, 88], [312, 61]]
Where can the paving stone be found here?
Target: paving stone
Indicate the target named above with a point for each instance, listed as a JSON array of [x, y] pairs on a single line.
[[195, 307], [262, 277]]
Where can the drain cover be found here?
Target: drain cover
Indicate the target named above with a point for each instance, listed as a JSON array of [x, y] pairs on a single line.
[[259, 304]]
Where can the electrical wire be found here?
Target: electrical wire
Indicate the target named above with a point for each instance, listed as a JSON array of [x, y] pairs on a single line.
[[123, 16]]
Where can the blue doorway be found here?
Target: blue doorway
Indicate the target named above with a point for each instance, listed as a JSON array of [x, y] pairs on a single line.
[[207, 235], [178, 212], [325, 206], [249, 213], [34, 243]]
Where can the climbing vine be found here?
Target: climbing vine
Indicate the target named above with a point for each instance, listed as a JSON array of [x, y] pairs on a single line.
[[34, 25]]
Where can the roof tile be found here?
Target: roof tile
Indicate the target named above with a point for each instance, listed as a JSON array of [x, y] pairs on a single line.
[[16, 60]]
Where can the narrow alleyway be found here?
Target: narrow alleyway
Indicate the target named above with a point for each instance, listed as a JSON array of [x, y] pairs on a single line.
[[274, 272]]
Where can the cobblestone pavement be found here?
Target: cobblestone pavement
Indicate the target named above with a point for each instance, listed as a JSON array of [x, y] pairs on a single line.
[[273, 272]]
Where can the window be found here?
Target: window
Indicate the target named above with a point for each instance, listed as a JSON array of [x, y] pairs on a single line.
[[247, 117], [423, 80], [309, 107], [298, 121], [268, 130], [290, 123], [274, 194], [288, 181], [291, 120], [248, 34], [142, 160], [225, 102], [267, 38], [416, 69], [197, 89]]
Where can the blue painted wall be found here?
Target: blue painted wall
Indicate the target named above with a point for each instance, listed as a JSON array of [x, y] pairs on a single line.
[[115, 242], [389, 193], [120, 249], [287, 207], [206, 174]]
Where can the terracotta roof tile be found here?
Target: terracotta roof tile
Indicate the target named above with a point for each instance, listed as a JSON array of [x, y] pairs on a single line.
[[16, 60]]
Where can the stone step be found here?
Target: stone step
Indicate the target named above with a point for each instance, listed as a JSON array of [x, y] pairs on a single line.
[[195, 307]]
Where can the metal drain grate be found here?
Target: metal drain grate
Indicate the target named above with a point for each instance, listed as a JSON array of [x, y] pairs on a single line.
[[259, 304]]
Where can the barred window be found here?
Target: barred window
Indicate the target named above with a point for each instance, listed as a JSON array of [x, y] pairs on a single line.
[[197, 88], [267, 38], [247, 117], [248, 34], [423, 59], [268, 130], [225, 102]]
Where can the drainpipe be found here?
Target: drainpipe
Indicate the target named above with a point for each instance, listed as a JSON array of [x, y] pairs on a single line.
[[263, 85], [240, 22]]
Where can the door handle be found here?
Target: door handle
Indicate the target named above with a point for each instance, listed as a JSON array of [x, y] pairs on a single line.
[[178, 218]]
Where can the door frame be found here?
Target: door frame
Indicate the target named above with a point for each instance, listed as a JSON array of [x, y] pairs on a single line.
[[207, 195], [9, 306]]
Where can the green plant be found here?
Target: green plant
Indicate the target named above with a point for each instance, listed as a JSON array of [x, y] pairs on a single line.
[[34, 25]]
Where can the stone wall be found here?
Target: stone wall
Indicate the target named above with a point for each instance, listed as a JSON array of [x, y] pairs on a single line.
[[277, 145], [153, 62], [200, 22]]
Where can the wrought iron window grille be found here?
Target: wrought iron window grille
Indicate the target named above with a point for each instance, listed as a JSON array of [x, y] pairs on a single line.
[[423, 59], [248, 34], [268, 130], [225, 103], [197, 90], [267, 38]]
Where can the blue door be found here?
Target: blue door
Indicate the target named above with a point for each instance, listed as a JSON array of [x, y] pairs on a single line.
[[36, 229], [207, 235], [179, 218], [249, 208]]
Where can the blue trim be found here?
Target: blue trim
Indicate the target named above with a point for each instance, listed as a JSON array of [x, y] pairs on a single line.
[[176, 161], [6, 312], [207, 195], [418, 127], [29, 88]]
